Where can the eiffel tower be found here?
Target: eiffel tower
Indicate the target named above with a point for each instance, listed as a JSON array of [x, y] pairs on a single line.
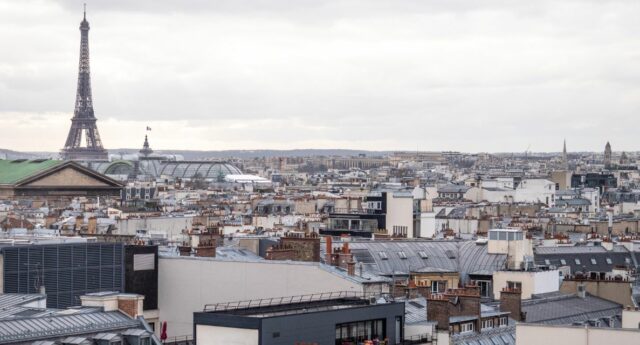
[[84, 120]]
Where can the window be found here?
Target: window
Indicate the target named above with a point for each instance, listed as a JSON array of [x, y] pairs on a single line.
[[143, 262], [487, 324], [360, 331], [438, 286], [466, 327], [399, 329], [383, 255], [275, 334], [608, 261], [493, 235], [402, 255], [503, 321], [593, 261], [423, 255], [514, 285], [144, 341], [485, 288], [577, 261], [563, 262], [547, 262]]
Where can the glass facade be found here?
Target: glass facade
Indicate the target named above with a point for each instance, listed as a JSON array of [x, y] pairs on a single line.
[[357, 332], [346, 224]]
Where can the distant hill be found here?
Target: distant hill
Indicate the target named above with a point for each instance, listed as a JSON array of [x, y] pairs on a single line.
[[193, 155], [9, 154]]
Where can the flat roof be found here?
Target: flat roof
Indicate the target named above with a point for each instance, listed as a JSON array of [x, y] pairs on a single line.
[[291, 305]]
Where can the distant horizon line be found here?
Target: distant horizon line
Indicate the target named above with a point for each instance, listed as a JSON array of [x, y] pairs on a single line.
[[128, 150]]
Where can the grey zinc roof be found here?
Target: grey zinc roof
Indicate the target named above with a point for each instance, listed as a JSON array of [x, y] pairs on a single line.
[[453, 188], [31, 329], [17, 299], [415, 311], [459, 256], [492, 336], [573, 202], [568, 309]]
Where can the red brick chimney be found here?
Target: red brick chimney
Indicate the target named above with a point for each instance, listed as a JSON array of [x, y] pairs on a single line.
[[345, 256], [438, 311], [511, 301], [328, 250], [455, 302], [351, 268]]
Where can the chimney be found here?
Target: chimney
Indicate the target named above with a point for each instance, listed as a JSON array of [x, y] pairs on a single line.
[[438, 311], [345, 248], [328, 250], [92, 226], [206, 248], [582, 290], [78, 224], [511, 301], [345, 256], [129, 303], [351, 268]]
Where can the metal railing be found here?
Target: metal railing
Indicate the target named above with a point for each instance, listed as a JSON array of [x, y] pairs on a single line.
[[267, 302], [425, 338], [179, 340]]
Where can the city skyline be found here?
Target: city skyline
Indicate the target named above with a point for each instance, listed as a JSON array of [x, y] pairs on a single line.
[[294, 76]]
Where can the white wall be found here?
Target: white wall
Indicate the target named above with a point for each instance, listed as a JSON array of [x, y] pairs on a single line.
[[185, 285], [534, 334], [172, 226], [631, 319], [216, 335], [498, 195], [427, 224], [399, 213], [532, 282], [535, 190]]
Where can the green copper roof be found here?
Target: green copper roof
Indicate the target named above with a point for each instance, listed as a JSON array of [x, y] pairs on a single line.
[[12, 171]]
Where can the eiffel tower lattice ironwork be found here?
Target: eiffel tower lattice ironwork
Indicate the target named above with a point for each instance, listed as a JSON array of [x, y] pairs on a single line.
[[84, 120]]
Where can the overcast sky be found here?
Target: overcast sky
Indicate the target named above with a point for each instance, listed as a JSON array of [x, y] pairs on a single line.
[[363, 74]]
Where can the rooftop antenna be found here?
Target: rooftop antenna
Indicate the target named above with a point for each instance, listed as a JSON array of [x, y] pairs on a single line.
[[85, 11]]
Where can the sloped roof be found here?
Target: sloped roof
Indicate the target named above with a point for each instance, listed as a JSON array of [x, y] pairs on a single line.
[[29, 329], [459, 256], [589, 259], [12, 171], [567, 309]]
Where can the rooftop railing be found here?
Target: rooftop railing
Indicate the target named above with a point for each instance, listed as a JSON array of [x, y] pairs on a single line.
[[275, 301]]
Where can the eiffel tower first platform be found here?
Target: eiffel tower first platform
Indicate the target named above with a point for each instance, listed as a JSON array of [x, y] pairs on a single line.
[[83, 142]]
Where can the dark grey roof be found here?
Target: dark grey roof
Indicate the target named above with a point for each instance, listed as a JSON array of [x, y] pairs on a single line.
[[573, 202], [453, 188], [493, 336], [457, 213], [589, 259], [570, 309], [458, 256]]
